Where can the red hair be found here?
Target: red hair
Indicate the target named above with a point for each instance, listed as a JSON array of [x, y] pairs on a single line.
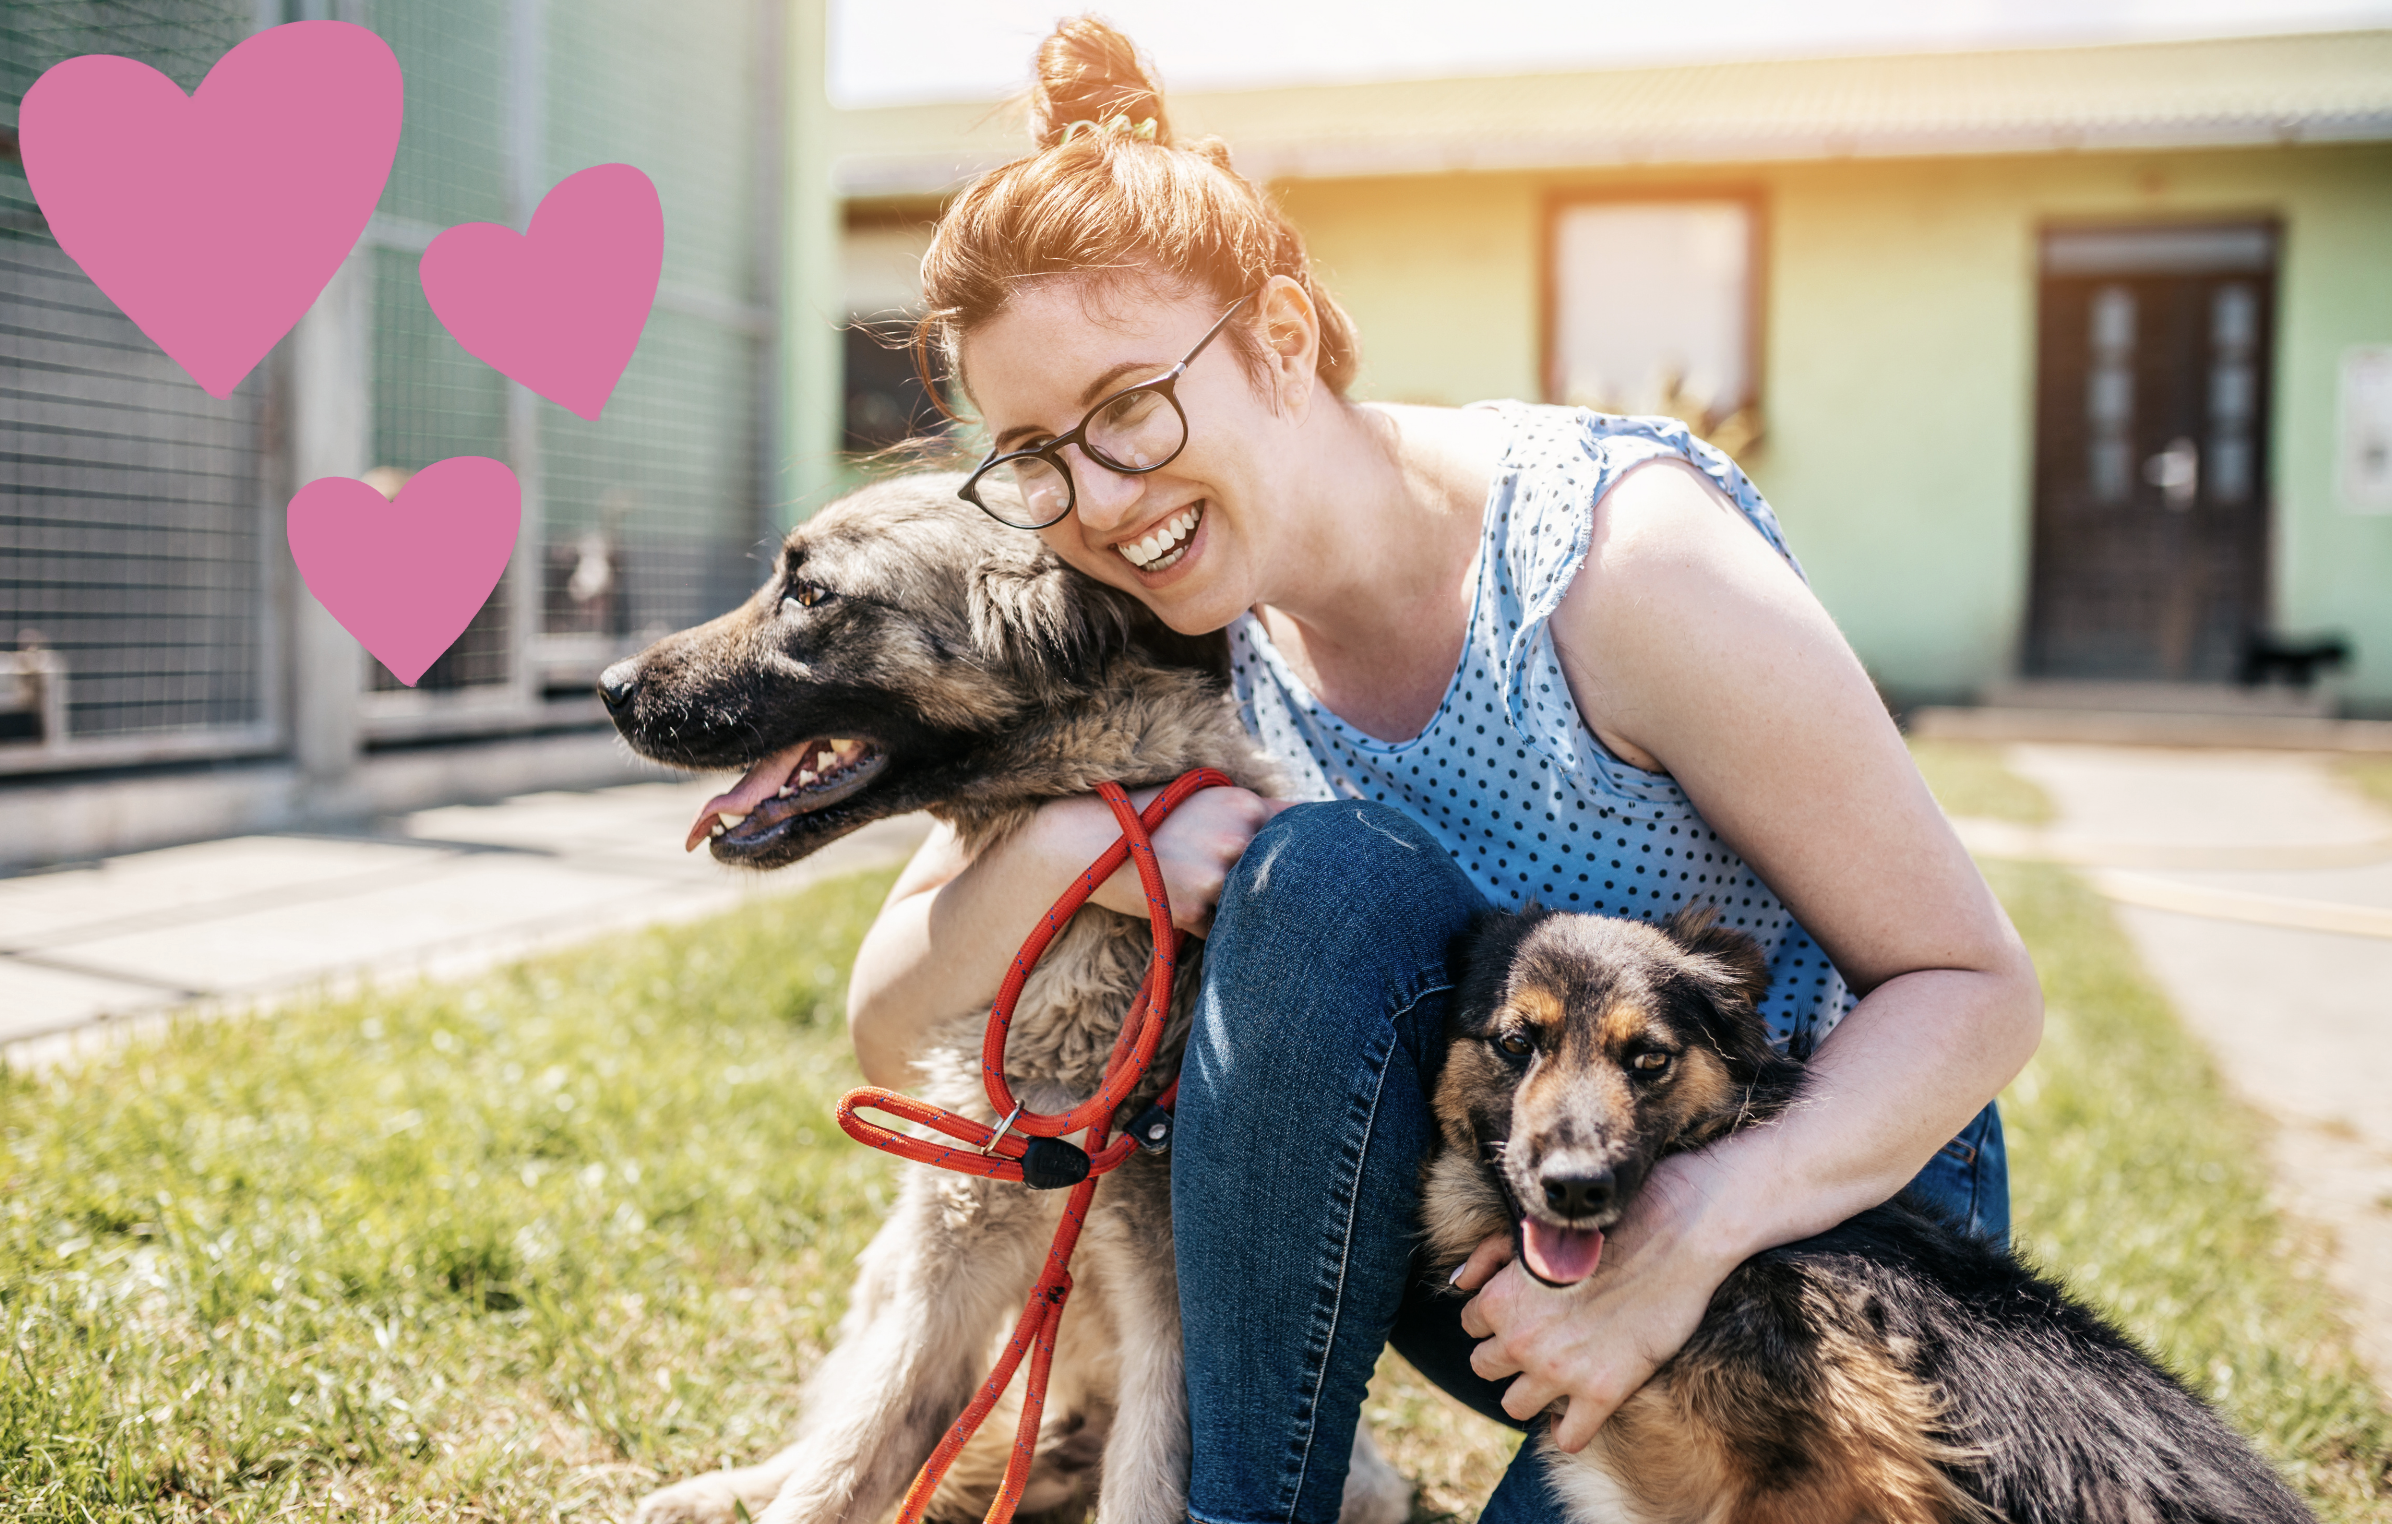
[[1105, 196]]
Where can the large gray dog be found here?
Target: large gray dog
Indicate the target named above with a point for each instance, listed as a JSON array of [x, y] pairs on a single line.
[[910, 654]]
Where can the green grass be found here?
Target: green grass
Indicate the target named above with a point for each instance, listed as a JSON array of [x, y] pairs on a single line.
[[2372, 776], [517, 1249], [1969, 778], [2138, 1178], [509, 1250]]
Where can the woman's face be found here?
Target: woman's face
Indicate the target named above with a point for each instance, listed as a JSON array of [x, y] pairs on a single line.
[[1187, 539]]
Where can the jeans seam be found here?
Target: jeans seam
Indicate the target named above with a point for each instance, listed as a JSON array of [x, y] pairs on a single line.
[[1345, 1251]]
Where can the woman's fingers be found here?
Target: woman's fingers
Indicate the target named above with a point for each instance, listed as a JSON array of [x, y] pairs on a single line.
[[1580, 1420], [1196, 848], [1492, 1254], [1530, 1395], [1590, 1345]]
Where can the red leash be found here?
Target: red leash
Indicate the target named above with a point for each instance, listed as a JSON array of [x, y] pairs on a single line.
[[1028, 1145]]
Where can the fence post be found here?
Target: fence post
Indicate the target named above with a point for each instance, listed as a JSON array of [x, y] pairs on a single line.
[[812, 306], [331, 435]]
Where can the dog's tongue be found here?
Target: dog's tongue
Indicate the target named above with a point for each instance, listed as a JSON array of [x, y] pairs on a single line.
[[762, 782], [1563, 1256]]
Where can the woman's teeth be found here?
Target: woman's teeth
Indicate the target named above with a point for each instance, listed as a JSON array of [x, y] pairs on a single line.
[[1162, 547]]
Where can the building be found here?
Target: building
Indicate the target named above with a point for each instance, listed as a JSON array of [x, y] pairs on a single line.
[[2066, 364], [163, 674]]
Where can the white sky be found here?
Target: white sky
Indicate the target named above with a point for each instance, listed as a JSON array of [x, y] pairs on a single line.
[[888, 51]]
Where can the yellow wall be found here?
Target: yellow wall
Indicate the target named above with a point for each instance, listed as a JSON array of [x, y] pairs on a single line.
[[1899, 361]]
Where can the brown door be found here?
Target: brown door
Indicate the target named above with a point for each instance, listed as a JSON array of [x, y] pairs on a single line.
[[2151, 451]]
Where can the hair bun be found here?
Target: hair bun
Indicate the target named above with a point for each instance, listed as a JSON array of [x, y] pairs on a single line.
[[1089, 72]]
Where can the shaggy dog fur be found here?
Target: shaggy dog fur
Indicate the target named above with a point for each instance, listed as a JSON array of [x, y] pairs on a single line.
[[1892, 1369], [981, 677]]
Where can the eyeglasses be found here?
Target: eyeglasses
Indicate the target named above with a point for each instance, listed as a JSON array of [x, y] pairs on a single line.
[[1136, 430]]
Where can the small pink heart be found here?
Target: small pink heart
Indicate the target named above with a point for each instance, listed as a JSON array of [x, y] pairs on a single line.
[[560, 308], [214, 219], [405, 577]]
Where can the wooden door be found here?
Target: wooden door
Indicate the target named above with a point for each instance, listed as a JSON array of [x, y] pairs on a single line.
[[2151, 452]]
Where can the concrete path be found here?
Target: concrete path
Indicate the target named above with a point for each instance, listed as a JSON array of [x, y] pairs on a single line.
[[439, 892], [2257, 887]]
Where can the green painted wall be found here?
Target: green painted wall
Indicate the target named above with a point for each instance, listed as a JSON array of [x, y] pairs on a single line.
[[1899, 361]]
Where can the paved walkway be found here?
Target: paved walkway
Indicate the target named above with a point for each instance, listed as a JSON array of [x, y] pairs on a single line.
[[440, 892], [2258, 889]]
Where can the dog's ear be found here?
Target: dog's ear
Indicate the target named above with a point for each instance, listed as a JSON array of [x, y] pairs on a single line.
[[1726, 973], [1731, 969], [1481, 956], [1032, 612]]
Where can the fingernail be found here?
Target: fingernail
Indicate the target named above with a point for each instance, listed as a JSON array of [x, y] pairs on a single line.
[[1455, 1279]]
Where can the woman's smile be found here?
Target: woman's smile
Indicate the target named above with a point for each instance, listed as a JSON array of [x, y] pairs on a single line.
[[1165, 546]]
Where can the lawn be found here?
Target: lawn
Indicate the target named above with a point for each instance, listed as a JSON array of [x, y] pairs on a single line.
[[2372, 776], [1968, 778], [518, 1248]]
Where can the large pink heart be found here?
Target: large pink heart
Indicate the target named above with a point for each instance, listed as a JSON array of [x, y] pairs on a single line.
[[214, 219], [405, 577], [559, 309]]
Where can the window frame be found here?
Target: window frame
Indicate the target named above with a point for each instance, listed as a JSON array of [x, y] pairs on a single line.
[[1561, 200]]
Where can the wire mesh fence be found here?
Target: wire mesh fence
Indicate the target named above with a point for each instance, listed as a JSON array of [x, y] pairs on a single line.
[[134, 535], [647, 517], [138, 544], [666, 487]]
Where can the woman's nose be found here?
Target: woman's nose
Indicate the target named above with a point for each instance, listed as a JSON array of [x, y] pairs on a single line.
[[1106, 499]]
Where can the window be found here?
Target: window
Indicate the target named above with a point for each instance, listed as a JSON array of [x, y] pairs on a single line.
[[885, 400], [1653, 312]]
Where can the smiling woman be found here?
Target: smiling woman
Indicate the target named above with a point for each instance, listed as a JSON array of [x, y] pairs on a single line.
[[1500, 653]]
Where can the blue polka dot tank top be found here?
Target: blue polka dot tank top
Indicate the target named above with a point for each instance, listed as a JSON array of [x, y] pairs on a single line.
[[1506, 775]]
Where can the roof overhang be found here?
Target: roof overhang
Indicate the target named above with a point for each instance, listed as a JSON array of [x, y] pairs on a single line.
[[2222, 93]]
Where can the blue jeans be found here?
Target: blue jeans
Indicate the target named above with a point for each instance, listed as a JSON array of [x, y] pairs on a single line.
[[1303, 1117]]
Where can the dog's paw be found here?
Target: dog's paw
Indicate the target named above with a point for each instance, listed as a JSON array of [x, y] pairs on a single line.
[[718, 1497]]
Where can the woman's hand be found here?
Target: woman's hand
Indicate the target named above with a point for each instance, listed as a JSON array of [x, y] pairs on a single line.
[[1196, 847], [953, 923], [1596, 1343]]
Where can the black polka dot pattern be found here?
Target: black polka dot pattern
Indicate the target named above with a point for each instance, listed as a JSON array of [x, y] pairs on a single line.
[[1506, 775]]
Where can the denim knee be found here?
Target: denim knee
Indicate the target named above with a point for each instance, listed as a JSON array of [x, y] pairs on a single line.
[[1346, 884], [1334, 923]]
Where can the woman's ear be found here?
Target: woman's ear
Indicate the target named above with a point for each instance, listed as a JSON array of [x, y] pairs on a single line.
[[1290, 327]]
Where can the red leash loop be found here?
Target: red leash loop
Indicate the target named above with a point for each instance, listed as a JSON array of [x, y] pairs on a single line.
[[1021, 1148]]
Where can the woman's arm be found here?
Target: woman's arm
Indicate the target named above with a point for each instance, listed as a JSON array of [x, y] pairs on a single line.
[[952, 923], [1691, 646]]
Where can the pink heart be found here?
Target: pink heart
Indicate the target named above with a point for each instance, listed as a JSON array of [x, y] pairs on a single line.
[[214, 219], [406, 577], [559, 309]]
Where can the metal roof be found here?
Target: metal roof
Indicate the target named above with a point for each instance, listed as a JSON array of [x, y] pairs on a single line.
[[2318, 87]]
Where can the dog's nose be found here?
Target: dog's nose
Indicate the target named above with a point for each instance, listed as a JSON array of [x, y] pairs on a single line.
[[1578, 1195], [617, 683]]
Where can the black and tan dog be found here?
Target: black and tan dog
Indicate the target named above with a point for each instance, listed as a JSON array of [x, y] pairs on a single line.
[[1892, 1369], [908, 653]]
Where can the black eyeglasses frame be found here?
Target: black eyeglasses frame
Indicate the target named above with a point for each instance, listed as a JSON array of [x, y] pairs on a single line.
[[1165, 385]]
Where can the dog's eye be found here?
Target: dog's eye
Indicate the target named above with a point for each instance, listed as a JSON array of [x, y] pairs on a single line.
[[1515, 1044], [1652, 1061], [805, 595]]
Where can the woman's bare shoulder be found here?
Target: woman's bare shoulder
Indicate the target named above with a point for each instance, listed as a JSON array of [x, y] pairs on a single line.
[[1677, 587], [1688, 639]]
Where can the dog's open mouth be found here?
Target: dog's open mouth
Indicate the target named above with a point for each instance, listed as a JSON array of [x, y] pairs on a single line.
[[812, 775], [1559, 1256]]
